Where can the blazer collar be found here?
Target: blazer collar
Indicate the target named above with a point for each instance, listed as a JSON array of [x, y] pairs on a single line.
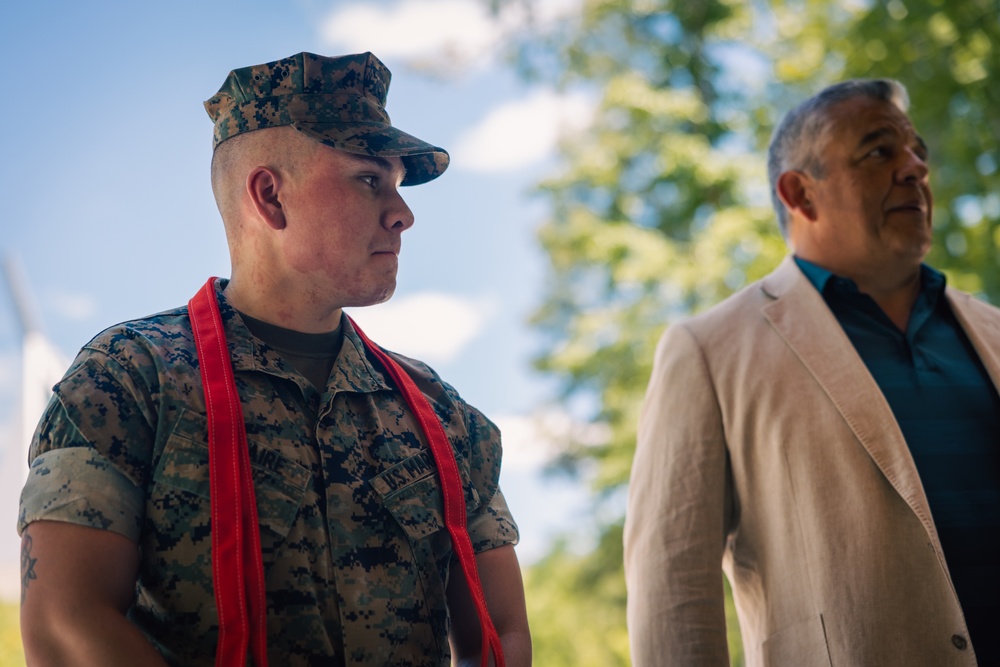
[[981, 323]]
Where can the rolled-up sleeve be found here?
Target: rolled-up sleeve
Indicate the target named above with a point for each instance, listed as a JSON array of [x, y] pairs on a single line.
[[83, 462], [79, 486], [492, 524]]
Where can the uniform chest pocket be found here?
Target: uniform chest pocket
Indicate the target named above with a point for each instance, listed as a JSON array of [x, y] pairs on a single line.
[[411, 492], [181, 488]]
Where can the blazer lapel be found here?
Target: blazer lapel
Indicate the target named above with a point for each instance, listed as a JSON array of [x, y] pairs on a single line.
[[982, 325], [801, 317]]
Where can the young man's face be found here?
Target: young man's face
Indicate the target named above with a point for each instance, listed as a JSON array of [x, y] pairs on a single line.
[[344, 219], [873, 199]]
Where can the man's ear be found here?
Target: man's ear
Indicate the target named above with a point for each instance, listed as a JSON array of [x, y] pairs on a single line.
[[793, 190], [263, 184]]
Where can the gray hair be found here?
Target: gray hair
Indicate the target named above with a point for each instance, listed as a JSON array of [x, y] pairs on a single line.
[[797, 140]]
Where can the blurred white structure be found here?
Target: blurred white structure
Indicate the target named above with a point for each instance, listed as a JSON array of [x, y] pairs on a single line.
[[42, 365]]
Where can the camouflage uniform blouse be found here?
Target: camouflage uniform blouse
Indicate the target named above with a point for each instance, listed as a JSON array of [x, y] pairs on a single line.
[[355, 553]]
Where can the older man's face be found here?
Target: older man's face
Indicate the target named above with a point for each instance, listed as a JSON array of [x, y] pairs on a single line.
[[873, 200]]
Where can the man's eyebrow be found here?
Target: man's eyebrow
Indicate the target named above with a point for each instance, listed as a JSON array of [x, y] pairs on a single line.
[[379, 162], [874, 136], [881, 132]]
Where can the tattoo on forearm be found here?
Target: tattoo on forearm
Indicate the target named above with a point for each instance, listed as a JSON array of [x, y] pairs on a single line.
[[27, 566]]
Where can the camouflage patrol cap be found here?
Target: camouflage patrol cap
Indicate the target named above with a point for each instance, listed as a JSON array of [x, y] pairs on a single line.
[[338, 101]]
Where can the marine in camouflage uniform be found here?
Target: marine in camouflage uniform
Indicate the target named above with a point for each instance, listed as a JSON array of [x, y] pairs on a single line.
[[356, 558]]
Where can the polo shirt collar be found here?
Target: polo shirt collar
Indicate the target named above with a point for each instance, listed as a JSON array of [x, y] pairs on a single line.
[[932, 281]]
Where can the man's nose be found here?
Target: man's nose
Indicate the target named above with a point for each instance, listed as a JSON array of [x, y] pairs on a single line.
[[398, 216], [913, 168]]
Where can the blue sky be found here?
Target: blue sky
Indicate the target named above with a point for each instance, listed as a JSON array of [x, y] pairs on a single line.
[[105, 152]]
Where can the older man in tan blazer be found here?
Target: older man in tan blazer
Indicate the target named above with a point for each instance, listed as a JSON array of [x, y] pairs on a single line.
[[831, 434]]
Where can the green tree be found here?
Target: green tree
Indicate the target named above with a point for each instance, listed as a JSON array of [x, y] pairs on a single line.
[[660, 207]]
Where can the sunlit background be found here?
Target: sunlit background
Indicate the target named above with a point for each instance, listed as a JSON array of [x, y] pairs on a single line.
[[606, 178]]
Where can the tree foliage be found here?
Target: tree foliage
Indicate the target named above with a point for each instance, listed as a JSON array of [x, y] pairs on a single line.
[[660, 207]]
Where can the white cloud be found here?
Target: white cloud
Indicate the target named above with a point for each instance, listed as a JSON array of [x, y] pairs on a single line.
[[521, 132], [429, 326], [531, 441], [73, 306], [524, 445], [456, 33], [412, 29]]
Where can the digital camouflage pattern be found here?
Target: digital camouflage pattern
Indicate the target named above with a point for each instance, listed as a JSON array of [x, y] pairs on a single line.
[[355, 552], [339, 101]]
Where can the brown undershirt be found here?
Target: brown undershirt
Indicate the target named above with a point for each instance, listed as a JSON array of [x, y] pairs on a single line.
[[312, 355]]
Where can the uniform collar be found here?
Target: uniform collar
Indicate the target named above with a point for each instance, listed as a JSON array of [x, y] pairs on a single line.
[[352, 372]]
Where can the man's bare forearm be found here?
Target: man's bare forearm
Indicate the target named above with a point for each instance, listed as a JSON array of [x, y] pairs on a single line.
[[504, 592], [97, 637], [77, 583], [516, 652]]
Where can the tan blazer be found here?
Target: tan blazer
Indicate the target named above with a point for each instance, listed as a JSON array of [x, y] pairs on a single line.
[[765, 444]]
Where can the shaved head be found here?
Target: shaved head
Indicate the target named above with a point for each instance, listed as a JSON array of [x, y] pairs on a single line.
[[283, 149]]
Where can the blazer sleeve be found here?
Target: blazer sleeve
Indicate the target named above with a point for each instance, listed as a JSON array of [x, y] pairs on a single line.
[[678, 514]]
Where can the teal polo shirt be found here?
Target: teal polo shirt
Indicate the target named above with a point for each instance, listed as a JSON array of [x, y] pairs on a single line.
[[949, 413]]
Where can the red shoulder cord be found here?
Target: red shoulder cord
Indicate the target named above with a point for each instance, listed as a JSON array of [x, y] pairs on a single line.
[[235, 532], [451, 491], [235, 543]]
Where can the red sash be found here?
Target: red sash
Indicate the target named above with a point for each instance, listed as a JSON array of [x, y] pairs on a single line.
[[237, 568]]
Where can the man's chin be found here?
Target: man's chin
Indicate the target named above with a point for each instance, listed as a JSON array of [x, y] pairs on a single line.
[[374, 299], [914, 246]]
